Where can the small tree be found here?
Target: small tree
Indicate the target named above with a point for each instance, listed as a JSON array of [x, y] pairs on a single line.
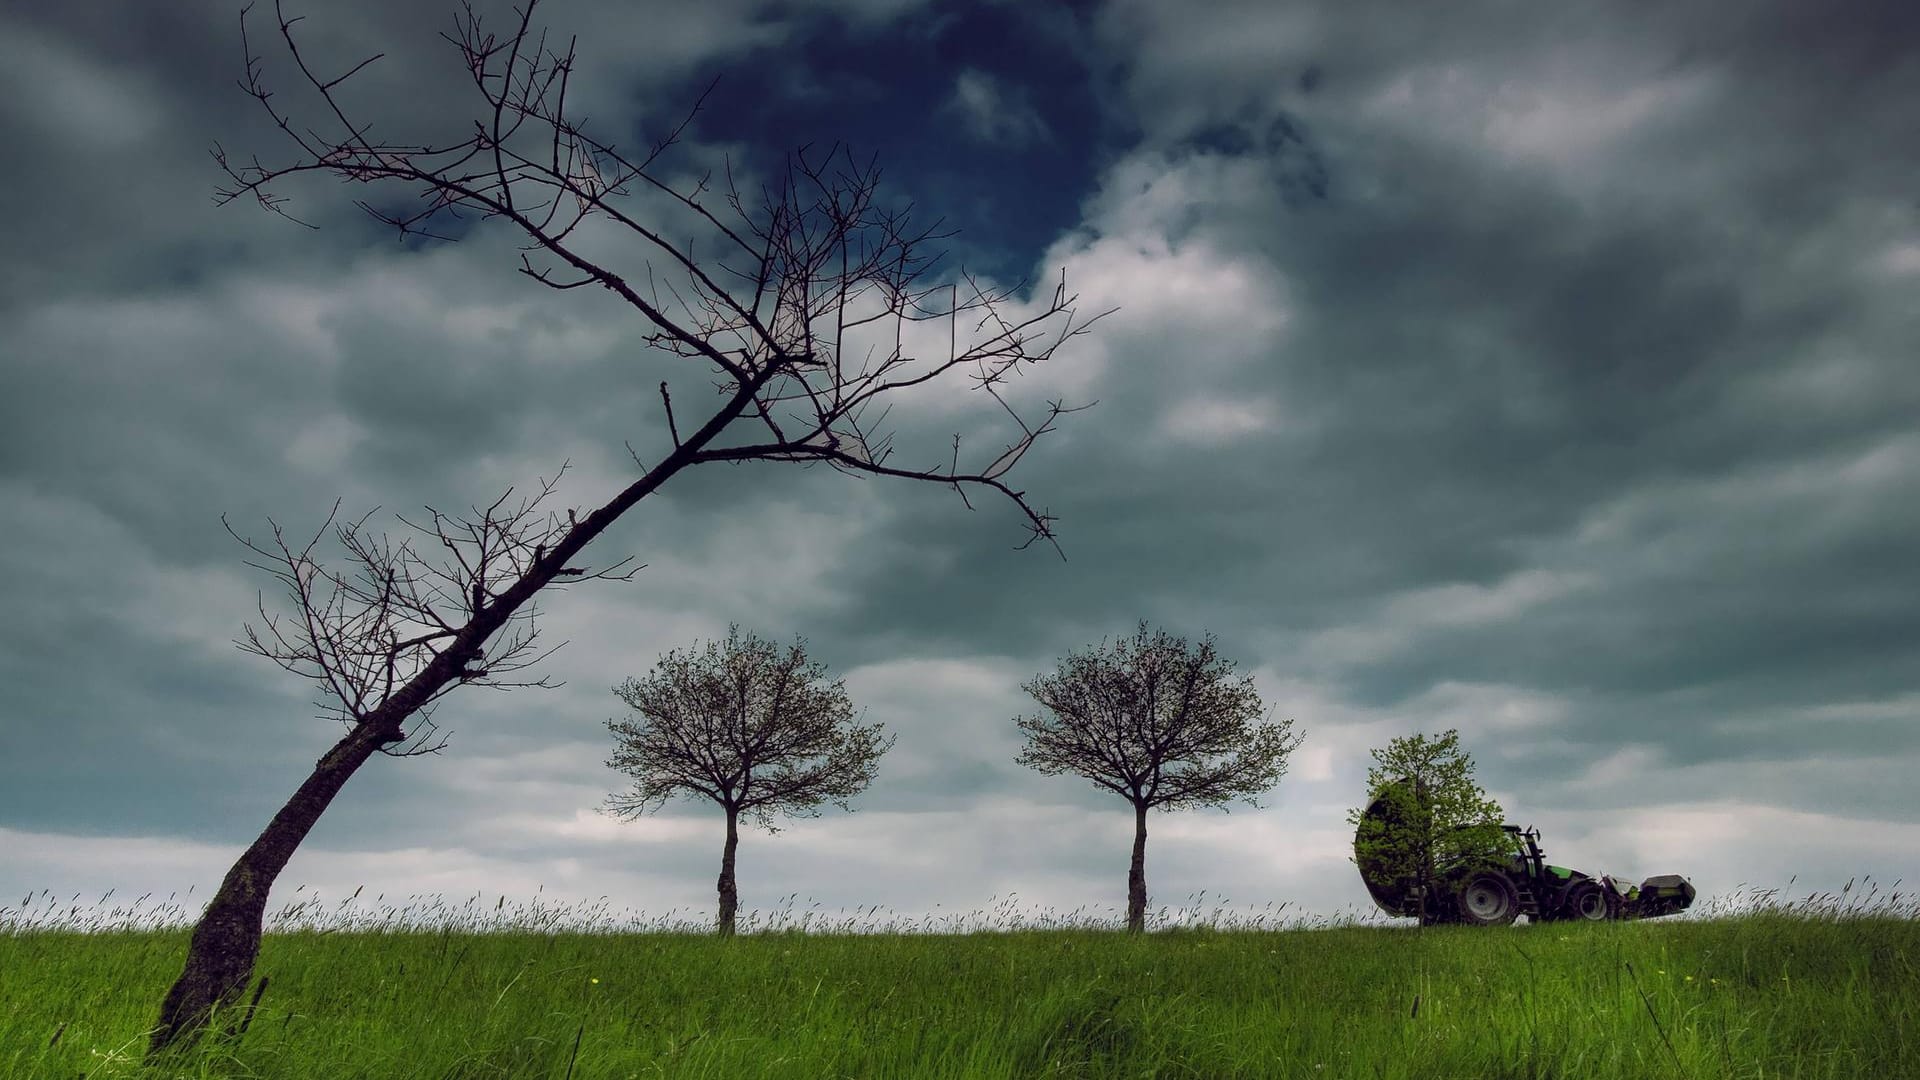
[[1426, 820], [1158, 723], [748, 726]]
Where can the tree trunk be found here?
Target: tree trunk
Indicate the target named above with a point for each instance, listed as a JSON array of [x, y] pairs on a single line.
[[1137, 873], [226, 941], [729, 895]]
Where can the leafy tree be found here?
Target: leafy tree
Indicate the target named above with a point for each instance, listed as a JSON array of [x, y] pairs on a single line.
[[1426, 822], [748, 726], [1159, 723], [794, 308]]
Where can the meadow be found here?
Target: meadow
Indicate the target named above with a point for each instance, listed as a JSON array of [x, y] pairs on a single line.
[[1749, 986]]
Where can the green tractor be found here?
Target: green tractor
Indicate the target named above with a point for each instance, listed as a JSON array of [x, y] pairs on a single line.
[[1495, 889]]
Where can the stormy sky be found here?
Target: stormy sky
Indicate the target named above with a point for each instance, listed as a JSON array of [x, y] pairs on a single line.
[[1546, 374]]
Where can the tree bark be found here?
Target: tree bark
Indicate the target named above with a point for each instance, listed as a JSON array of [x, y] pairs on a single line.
[[729, 895], [226, 941], [1137, 873]]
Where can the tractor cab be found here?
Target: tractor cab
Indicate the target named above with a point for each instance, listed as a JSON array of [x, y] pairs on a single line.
[[1526, 850], [1544, 890]]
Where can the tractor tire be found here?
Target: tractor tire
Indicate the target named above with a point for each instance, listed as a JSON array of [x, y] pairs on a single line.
[[1589, 901], [1488, 899]]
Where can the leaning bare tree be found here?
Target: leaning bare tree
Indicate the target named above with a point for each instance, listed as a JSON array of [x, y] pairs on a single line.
[[1159, 723], [799, 320], [748, 726]]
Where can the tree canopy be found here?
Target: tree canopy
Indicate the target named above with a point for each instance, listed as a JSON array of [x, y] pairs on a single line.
[[1157, 721], [747, 724], [1426, 820]]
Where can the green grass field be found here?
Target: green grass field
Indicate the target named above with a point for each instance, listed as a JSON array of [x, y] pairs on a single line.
[[1826, 987]]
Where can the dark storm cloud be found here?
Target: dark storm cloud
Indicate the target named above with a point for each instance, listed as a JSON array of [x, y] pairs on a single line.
[[897, 88]]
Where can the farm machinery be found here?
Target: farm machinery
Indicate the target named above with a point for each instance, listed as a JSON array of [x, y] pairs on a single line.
[[1498, 887]]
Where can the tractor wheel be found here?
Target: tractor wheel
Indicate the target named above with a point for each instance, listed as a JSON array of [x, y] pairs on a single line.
[[1588, 901], [1488, 899]]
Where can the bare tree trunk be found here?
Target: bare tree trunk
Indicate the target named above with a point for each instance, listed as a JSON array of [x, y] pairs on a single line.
[[227, 939], [729, 895], [1137, 873]]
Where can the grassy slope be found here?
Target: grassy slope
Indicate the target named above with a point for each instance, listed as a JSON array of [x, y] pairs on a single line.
[[1764, 995]]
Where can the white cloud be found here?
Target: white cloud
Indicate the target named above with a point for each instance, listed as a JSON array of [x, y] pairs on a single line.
[[1901, 707], [1733, 846], [1312, 763], [323, 446], [1571, 126], [634, 836], [1688, 521], [993, 112], [1189, 311], [1477, 605], [1139, 249], [781, 558], [86, 560], [1184, 71], [1217, 421], [1192, 305], [1404, 620], [1619, 767], [1486, 714], [1901, 259], [73, 97]]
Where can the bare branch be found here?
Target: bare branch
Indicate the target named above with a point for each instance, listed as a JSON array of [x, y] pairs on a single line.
[[666, 399], [366, 634], [819, 244]]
